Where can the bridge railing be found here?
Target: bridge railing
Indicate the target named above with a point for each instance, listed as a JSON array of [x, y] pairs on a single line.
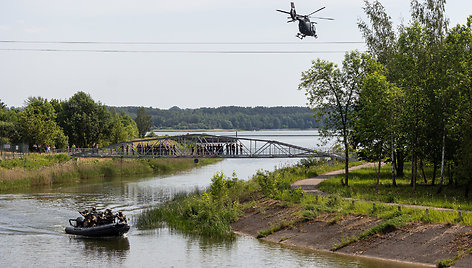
[[200, 146]]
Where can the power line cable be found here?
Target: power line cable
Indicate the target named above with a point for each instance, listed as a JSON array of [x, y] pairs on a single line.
[[175, 43], [177, 51]]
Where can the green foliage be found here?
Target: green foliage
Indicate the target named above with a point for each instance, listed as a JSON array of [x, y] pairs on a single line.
[[381, 228], [85, 122], [38, 124], [34, 161], [245, 118], [45, 170], [143, 122], [275, 228], [363, 187], [333, 92], [421, 104], [451, 262], [122, 128], [209, 213], [445, 263]]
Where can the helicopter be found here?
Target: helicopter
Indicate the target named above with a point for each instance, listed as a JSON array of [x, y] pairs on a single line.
[[305, 26]]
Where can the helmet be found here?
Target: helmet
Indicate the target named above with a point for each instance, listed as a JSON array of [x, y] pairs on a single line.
[[94, 208]]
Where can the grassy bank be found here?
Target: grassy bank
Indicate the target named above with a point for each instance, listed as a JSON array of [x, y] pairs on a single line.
[[43, 170], [276, 185], [210, 212], [206, 213], [362, 186]]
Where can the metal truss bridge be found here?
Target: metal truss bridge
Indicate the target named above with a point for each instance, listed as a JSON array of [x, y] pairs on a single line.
[[200, 146]]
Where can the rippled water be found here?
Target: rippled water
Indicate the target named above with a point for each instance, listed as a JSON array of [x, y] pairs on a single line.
[[32, 227]]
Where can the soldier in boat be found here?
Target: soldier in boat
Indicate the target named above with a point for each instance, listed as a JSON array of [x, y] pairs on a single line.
[[109, 217], [121, 217]]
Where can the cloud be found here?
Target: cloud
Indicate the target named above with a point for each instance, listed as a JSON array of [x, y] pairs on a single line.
[[4, 28]]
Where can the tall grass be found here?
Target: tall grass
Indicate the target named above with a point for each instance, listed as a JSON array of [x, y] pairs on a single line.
[[211, 211], [206, 213], [362, 186], [44, 170]]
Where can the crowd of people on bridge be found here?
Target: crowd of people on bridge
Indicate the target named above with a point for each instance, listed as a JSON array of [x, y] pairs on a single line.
[[171, 149]]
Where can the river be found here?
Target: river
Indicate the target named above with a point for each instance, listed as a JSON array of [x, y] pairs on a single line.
[[32, 223]]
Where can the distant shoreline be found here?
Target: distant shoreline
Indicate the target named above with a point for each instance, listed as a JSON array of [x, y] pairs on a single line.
[[230, 130]]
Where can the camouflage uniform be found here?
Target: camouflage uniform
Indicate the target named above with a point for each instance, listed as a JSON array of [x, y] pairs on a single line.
[[121, 217]]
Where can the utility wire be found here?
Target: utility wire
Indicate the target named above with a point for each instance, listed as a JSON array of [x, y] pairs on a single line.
[[176, 43], [178, 51]]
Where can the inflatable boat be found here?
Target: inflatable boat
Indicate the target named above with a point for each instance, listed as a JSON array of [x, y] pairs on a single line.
[[111, 229]]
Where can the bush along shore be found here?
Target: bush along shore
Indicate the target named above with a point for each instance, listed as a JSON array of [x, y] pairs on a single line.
[[211, 211], [267, 207], [45, 170]]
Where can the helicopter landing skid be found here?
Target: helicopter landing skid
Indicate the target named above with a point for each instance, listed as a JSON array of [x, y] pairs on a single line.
[[301, 36]]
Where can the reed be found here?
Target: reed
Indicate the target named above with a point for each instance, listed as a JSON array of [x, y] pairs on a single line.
[[207, 213], [46, 170]]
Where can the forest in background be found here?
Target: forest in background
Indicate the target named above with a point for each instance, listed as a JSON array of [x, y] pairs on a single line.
[[83, 122], [231, 117]]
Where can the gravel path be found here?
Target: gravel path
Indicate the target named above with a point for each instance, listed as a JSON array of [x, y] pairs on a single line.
[[310, 186]]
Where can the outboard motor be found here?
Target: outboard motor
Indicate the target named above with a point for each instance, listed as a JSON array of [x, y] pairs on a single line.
[[79, 222]]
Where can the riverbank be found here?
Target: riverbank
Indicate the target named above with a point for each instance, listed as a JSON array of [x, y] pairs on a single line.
[[355, 235], [269, 208], [45, 170]]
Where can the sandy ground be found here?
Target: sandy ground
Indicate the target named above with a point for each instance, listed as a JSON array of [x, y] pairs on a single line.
[[415, 243]]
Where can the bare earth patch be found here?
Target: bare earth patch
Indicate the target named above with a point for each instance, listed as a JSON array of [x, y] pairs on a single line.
[[415, 242]]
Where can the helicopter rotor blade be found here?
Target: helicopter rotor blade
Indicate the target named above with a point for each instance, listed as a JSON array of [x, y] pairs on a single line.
[[316, 11], [283, 11], [322, 18]]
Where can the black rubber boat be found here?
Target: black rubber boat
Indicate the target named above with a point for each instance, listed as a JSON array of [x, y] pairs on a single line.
[[111, 229]]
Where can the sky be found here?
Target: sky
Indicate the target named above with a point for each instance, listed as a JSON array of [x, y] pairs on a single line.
[[149, 52]]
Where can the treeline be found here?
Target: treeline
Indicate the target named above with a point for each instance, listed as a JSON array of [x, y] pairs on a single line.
[[232, 117], [76, 122], [408, 99], [84, 123]]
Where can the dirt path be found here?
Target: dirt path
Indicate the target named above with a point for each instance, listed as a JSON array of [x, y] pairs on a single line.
[[311, 185]]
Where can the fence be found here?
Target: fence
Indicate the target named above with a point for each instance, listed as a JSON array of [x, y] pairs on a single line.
[[13, 150]]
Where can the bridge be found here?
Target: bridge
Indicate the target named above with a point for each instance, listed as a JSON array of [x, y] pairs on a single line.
[[201, 146]]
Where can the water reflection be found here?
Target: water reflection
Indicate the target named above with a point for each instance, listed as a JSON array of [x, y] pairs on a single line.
[[110, 247]]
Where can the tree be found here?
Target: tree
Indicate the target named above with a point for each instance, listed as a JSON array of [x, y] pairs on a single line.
[[376, 121], [380, 37], [144, 122], [381, 40], [8, 124], [332, 92], [85, 122], [459, 76], [122, 127], [38, 126]]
